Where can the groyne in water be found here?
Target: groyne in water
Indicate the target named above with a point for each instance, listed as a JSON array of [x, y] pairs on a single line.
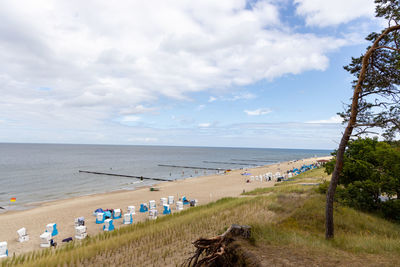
[[129, 176], [192, 167]]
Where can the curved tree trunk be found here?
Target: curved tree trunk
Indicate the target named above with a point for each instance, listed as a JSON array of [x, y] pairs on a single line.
[[329, 228]]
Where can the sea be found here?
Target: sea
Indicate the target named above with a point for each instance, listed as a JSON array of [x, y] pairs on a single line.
[[37, 173]]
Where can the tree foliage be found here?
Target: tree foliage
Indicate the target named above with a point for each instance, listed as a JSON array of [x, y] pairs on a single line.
[[380, 96], [371, 169]]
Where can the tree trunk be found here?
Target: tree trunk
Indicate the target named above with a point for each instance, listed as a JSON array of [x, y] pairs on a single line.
[[329, 227]]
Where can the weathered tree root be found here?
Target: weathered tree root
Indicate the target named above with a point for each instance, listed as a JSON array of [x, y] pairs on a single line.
[[208, 250]]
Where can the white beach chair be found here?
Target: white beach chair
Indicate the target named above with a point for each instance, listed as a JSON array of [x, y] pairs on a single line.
[[3, 250], [152, 204], [80, 232], [128, 218], [153, 213], [79, 221], [131, 210], [45, 239], [163, 201], [170, 200], [193, 203], [117, 214], [179, 205], [52, 228], [22, 235]]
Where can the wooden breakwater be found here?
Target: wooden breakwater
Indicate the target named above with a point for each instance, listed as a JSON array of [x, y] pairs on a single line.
[[129, 176], [192, 167]]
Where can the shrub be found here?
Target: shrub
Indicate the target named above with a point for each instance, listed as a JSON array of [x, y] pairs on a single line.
[[391, 209]]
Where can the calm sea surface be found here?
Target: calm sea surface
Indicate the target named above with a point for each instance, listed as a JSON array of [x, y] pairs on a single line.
[[34, 173]]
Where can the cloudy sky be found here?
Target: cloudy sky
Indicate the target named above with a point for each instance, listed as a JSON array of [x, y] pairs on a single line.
[[239, 73]]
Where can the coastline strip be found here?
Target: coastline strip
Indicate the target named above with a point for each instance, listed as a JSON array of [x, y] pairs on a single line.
[[234, 163], [190, 167]]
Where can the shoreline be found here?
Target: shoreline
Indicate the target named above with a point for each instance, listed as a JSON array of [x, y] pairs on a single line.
[[63, 211]]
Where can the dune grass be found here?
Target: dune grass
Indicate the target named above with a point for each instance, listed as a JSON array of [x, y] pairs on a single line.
[[289, 217]]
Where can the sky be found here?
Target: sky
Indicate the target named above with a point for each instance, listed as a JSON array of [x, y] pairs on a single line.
[[226, 73]]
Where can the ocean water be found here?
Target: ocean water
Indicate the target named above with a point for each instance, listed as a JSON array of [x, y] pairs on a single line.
[[34, 173]]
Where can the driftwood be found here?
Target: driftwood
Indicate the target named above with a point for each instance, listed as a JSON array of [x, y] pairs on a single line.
[[208, 250]]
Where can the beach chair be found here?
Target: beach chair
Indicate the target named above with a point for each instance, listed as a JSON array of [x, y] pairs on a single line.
[[179, 205], [131, 210], [80, 232], [117, 214], [3, 250], [52, 228], [152, 204], [100, 217], [153, 213], [79, 221], [163, 201], [185, 201], [22, 235], [97, 211], [170, 200], [45, 240], [167, 209], [108, 225], [193, 203], [128, 218], [107, 214], [143, 207]]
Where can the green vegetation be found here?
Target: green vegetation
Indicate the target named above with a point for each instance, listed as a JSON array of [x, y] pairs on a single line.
[[371, 169], [287, 227]]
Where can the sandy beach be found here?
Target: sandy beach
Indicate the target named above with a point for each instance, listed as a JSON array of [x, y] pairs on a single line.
[[63, 212]]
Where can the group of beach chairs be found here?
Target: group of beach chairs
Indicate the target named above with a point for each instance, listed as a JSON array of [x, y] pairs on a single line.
[[47, 237], [266, 177], [105, 217]]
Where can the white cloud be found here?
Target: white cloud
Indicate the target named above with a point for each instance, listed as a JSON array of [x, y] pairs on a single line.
[[201, 107], [333, 119], [245, 96], [106, 62], [257, 112], [212, 99], [142, 139], [130, 118], [139, 109], [328, 13], [115, 57], [204, 125]]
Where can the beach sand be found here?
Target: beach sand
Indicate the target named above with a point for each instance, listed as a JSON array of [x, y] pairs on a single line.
[[63, 212]]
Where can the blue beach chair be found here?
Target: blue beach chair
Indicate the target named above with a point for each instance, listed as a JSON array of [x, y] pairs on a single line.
[[167, 210], [108, 225], [143, 207], [100, 217]]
